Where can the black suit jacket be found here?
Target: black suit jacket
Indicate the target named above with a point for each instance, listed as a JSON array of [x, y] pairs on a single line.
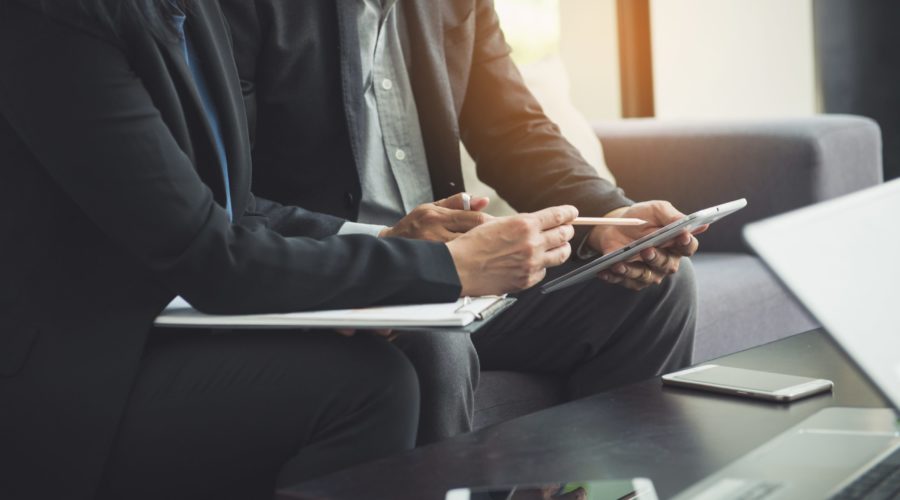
[[110, 205], [299, 63]]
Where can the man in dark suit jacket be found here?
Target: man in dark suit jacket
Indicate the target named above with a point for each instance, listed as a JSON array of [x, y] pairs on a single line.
[[125, 173], [357, 108]]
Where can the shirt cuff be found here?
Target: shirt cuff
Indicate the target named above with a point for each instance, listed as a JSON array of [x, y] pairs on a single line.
[[358, 228]]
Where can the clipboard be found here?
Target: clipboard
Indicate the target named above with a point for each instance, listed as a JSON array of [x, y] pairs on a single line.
[[465, 315]]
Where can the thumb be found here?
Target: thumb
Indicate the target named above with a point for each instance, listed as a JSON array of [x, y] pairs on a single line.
[[479, 203], [666, 213], [455, 202]]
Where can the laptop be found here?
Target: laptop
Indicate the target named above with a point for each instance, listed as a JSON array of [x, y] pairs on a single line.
[[841, 259]]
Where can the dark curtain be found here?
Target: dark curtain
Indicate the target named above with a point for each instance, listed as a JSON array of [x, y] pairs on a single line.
[[858, 55]]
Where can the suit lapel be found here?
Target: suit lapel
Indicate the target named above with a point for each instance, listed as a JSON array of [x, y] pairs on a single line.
[[195, 115], [221, 80], [351, 73], [211, 41], [434, 100]]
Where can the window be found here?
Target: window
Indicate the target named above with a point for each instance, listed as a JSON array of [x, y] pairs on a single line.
[[531, 28]]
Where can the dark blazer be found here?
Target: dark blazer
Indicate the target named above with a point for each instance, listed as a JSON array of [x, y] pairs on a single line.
[[299, 63], [110, 205]]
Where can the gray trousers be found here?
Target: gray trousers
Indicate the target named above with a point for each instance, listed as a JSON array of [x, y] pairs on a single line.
[[596, 335]]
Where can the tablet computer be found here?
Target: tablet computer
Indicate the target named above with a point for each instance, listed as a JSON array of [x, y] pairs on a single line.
[[654, 239]]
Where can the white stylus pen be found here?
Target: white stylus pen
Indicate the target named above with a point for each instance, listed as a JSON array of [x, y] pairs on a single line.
[[467, 205], [607, 221], [579, 221]]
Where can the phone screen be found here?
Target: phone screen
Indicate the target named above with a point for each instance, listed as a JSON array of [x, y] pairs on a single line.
[[641, 489], [745, 379]]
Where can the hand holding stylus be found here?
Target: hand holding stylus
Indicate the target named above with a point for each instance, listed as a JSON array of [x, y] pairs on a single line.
[[654, 264]]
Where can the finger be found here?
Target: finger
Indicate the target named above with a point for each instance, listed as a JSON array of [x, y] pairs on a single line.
[[346, 333], [637, 276], [450, 236], [700, 229], [462, 222], [631, 271], [556, 216], [660, 261], [479, 203], [442, 235], [666, 213], [681, 238], [557, 236], [611, 278], [536, 277], [455, 202], [686, 250], [557, 256]]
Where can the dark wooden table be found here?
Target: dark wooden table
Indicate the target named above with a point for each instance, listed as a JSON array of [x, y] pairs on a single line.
[[673, 436]]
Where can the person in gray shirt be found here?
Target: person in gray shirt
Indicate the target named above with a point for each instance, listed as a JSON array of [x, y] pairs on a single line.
[[357, 108]]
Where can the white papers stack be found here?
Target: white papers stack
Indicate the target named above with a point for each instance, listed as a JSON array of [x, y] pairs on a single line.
[[453, 314]]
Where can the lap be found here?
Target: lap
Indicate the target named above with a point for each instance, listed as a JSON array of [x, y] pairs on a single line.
[[241, 405], [554, 332], [234, 370]]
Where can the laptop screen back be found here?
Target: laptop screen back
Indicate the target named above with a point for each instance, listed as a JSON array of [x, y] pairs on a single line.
[[841, 259]]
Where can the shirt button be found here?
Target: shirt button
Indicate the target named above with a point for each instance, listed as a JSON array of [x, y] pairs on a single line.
[[400, 154], [387, 84]]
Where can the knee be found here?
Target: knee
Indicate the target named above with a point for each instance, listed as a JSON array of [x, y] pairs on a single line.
[[448, 358], [379, 382], [390, 376], [679, 294]]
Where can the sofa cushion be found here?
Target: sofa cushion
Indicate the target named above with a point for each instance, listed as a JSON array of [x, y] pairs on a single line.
[[742, 305], [778, 165]]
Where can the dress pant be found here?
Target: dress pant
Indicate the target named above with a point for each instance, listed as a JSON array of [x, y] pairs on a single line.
[[234, 415], [595, 335]]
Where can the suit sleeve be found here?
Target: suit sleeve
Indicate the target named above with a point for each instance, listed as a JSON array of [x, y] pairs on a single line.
[[518, 150], [76, 104], [291, 221], [250, 25]]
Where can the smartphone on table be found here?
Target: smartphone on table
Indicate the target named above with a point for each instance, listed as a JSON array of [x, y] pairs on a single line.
[[748, 383]]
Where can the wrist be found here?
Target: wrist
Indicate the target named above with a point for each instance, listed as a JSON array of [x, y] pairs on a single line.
[[457, 253]]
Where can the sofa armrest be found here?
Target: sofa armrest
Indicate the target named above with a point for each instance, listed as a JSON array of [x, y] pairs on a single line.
[[778, 165]]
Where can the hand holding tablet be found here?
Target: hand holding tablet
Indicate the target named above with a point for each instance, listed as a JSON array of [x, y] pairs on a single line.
[[661, 238]]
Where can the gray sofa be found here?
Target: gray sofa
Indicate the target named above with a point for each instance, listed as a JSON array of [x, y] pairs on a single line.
[[777, 165]]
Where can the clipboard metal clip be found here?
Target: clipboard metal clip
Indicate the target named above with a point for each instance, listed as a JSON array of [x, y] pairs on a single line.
[[497, 304]]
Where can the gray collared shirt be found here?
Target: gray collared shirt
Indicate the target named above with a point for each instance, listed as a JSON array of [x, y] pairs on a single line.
[[393, 169]]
